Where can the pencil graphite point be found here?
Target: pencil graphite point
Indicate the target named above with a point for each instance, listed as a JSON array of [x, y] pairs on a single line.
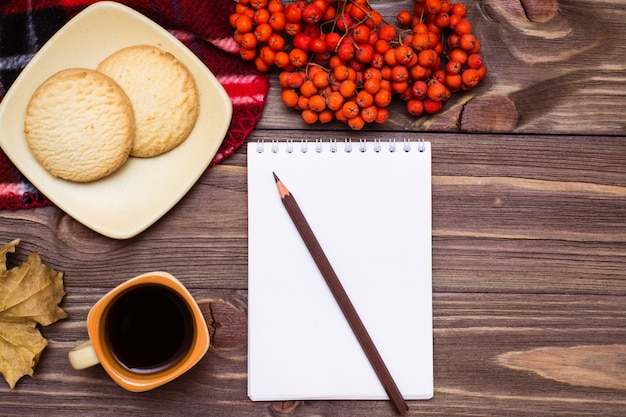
[[282, 190]]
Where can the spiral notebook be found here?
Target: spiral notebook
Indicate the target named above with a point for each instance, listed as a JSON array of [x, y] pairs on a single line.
[[369, 205]]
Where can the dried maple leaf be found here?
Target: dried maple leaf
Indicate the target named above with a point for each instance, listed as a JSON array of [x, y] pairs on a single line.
[[30, 294]]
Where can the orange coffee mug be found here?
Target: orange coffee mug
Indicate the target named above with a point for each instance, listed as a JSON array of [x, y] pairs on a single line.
[[146, 332]]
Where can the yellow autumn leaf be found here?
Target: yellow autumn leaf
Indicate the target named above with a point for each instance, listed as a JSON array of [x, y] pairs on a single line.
[[30, 294]]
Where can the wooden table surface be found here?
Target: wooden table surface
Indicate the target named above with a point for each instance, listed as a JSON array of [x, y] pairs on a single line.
[[529, 241]]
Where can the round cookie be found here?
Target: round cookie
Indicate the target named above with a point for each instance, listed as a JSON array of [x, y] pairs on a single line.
[[163, 94], [79, 125]]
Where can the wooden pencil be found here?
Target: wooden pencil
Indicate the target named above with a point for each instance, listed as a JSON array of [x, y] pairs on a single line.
[[341, 297]]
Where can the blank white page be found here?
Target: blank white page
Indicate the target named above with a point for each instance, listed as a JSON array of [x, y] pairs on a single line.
[[371, 213]]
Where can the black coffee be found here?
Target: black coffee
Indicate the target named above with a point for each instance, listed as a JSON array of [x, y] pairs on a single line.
[[149, 328]]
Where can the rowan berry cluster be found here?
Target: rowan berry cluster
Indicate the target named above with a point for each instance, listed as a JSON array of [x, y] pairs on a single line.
[[340, 60]]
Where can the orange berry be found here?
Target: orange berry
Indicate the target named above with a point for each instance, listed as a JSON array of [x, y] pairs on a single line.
[[431, 106], [399, 87], [321, 79], [308, 89], [260, 65], [277, 21], [404, 54], [467, 41], [459, 55], [275, 6], [369, 114], [382, 98], [242, 8], [475, 61], [382, 115], [356, 122], [243, 24], [437, 91], [283, 78], [404, 18], [482, 71], [261, 16], [381, 46], [341, 72], [276, 42], [352, 74], [420, 41], [267, 55], [433, 6], [371, 85], [303, 103], [347, 88], [335, 100], [463, 26], [317, 103], [414, 107], [340, 116], [232, 19], [470, 77], [290, 97], [459, 9], [326, 116], [364, 99], [309, 116], [295, 80], [390, 57], [399, 73], [350, 109], [427, 58], [454, 81], [281, 59], [387, 33], [258, 4], [263, 32], [247, 54], [248, 41], [298, 57]]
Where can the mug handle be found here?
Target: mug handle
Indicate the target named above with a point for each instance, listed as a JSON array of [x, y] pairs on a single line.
[[83, 356]]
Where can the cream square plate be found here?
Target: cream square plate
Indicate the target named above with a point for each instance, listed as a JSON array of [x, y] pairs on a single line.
[[130, 200]]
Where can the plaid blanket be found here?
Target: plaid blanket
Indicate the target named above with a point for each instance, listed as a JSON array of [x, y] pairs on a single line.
[[202, 25]]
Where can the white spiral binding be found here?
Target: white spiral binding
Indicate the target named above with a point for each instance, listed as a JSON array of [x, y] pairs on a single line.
[[421, 145], [407, 145], [364, 145], [348, 145], [377, 145], [318, 145], [333, 145]]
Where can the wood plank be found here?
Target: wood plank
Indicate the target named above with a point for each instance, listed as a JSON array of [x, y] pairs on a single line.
[[541, 198], [472, 333], [553, 67]]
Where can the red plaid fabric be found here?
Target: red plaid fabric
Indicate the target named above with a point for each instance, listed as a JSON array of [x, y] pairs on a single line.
[[202, 25]]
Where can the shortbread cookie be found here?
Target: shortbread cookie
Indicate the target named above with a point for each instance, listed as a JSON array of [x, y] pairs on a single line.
[[80, 125], [163, 94]]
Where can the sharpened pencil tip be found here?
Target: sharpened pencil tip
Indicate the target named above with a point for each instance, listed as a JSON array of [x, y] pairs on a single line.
[[282, 190]]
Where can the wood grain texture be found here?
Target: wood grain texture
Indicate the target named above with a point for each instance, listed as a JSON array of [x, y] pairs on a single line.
[[529, 242], [596, 365]]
